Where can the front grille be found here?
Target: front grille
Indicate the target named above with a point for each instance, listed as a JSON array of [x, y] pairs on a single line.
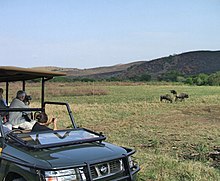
[[93, 172], [115, 166], [106, 169]]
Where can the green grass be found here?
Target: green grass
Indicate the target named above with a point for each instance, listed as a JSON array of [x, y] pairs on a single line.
[[172, 140]]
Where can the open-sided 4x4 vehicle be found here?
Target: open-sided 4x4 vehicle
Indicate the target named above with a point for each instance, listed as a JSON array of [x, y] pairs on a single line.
[[73, 154]]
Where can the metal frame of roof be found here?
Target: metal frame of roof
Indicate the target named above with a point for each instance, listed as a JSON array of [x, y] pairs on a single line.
[[10, 74]]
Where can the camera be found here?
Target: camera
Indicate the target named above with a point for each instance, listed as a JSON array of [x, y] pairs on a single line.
[[27, 99]]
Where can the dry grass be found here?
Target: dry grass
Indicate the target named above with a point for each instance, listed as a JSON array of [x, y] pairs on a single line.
[[65, 89], [172, 140]]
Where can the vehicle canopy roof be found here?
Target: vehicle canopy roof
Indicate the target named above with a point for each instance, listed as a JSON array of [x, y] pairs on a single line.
[[10, 74]]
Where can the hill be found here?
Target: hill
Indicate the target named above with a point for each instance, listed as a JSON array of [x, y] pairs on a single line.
[[96, 73], [189, 63]]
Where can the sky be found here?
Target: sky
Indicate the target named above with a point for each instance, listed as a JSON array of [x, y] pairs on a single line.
[[94, 33]]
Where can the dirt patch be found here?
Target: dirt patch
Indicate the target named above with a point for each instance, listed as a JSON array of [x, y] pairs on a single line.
[[207, 113]]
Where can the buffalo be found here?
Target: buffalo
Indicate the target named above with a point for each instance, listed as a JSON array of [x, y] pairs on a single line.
[[181, 96], [166, 97]]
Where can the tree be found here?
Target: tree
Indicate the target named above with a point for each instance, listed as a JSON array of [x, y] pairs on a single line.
[[189, 80], [145, 77], [142, 77], [180, 79], [202, 79], [214, 79], [171, 76]]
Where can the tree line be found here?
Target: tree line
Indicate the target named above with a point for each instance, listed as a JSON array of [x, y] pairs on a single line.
[[200, 79], [171, 76]]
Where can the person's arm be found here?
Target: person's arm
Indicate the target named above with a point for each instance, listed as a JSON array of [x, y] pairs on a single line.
[[49, 122], [54, 120]]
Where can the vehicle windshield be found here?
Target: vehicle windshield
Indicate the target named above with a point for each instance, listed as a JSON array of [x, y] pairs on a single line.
[[47, 139], [61, 136]]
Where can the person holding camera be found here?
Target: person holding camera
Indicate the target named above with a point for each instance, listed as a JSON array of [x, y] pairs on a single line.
[[16, 118]]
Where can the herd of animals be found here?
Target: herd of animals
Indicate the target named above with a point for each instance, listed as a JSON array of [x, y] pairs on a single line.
[[175, 97]]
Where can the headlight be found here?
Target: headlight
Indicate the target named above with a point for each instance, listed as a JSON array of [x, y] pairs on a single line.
[[65, 175], [131, 162]]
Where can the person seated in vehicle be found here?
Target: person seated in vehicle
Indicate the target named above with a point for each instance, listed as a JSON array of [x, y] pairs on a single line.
[[6, 128], [4, 114], [3, 105], [2, 100], [16, 118], [43, 123]]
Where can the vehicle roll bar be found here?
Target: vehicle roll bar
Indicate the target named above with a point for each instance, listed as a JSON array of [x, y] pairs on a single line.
[[19, 109], [68, 109]]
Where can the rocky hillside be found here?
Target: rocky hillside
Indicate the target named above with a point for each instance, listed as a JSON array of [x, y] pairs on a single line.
[[190, 63], [96, 73]]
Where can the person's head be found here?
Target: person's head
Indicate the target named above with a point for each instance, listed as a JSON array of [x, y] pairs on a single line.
[[42, 117], [21, 95]]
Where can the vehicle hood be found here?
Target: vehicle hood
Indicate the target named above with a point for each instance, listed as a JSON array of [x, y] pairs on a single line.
[[80, 154], [69, 156]]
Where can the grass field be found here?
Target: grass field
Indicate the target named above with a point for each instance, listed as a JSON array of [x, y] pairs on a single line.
[[172, 140]]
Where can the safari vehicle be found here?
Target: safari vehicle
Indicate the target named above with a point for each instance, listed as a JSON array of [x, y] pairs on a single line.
[[73, 154]]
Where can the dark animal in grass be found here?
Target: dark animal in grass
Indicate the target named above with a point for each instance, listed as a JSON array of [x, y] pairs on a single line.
[[166, 98], [181, 96], [173, 92]]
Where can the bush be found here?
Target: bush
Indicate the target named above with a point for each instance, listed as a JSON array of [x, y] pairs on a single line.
[[143, 77], [214, 79], [170, 76]]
